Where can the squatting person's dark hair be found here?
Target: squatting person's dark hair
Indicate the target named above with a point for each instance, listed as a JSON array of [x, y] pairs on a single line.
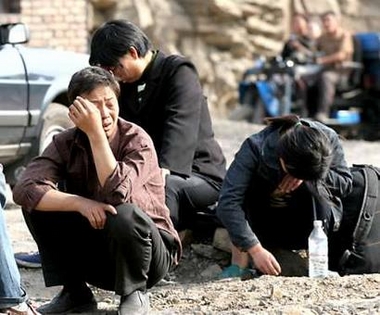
[[306, 151]]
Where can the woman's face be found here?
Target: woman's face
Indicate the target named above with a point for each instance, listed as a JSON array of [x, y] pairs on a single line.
[[105, 100]]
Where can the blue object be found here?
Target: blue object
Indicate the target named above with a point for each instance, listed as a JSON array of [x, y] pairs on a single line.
[[347, 117], [370, 47], [28, 260], [267, 92], [370, 44], [10, 285], [234, 271]]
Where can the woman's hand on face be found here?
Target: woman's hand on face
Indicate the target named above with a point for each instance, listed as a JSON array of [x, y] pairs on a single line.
[[85, 115], [264, 260], [289, 184]]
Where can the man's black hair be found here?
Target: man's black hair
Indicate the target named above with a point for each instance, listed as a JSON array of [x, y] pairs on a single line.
[[114, 39]]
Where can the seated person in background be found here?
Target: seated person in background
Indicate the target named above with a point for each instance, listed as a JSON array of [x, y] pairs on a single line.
[[300, 45], [109, 225], [301, 48], [336, 46], [13, 298], [281, 180]]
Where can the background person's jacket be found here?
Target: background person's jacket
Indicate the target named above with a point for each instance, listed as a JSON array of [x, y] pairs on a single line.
[[169, 104]]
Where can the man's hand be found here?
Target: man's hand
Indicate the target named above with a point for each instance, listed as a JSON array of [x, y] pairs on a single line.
[[95, 212], [264, 260], [86, 116]]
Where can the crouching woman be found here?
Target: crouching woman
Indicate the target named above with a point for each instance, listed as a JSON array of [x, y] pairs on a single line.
[[94, 202], [282, 178]]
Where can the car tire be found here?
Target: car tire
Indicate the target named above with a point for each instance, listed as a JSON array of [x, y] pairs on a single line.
[[55, 120]]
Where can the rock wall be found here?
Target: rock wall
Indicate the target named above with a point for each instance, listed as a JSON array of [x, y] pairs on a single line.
[[221, 36]]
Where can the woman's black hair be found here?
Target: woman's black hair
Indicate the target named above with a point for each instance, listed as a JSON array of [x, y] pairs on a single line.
[[305, 151], [307, 155], [86, 80], [113, 40]]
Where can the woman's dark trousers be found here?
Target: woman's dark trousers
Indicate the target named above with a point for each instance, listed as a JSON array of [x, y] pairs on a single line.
[[128, 254]]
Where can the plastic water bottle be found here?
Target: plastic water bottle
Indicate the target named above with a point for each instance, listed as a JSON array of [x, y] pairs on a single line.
[[318, 250]]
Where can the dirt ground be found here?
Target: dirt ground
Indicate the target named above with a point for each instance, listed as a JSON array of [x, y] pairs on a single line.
[[194, 289]]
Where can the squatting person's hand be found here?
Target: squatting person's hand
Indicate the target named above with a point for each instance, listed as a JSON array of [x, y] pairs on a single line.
[[95, 212], [264, 260]]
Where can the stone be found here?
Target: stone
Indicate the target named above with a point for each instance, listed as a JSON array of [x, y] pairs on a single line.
[[222, 240], [257, 25], [208, 251], [317, 7], [293, 263], [226, 9], [297, 310], [103, 4], [211, 272], [276, 293]]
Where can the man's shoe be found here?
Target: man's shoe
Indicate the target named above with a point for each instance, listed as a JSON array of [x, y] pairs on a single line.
[[28, 260], [137, 303], [66, 302]]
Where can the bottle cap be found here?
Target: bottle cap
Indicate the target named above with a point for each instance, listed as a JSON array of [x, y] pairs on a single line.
[[317, 223]]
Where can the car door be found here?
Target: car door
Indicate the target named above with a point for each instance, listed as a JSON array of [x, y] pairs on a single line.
[[13, 103]]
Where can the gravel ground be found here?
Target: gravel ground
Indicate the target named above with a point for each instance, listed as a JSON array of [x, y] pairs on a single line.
[[195, 290]]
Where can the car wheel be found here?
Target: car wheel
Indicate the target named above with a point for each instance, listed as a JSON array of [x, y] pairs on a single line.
[[55, 120]]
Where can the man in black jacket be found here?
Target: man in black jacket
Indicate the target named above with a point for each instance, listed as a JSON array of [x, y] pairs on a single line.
[[163, 95]]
